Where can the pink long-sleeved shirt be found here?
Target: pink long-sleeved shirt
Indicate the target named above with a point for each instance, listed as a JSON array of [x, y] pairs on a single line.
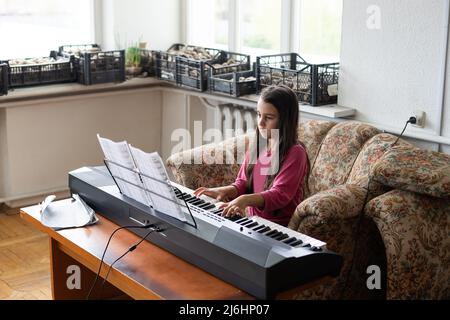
[[286, 191]]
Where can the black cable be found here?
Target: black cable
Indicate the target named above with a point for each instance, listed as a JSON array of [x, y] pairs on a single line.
[[132, 248], [361, 212], [104, 252], [411, 120]]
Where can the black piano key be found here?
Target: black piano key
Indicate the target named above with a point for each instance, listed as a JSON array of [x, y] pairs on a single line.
[[251, 225], [282, 237], [202, 204], [234, 218], [290, 240], [209, 206], [271, 233], [246, 223], [277, 234], [296, 243], [217, 211], [241, 220], [264, 230], [259, 227], [196, 202]]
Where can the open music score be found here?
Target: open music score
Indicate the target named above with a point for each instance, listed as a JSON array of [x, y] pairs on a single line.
[[141, 176]]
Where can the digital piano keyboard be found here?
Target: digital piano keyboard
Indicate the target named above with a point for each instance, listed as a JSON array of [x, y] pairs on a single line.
[[252, 253]]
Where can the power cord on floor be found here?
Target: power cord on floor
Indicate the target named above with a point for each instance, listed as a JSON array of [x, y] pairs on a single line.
[[411, 120]]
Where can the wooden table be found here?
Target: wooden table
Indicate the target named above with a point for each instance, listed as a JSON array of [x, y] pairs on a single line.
[[148, 272]]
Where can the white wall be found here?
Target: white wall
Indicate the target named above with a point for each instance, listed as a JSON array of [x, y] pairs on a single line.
[[180, 111], [41, 141], [445, 121], [153, 21], [390, 71]]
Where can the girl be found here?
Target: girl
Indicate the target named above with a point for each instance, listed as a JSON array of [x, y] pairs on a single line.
[[270, 180]]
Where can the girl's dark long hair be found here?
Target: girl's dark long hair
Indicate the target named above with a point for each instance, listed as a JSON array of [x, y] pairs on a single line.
[[286, 103]]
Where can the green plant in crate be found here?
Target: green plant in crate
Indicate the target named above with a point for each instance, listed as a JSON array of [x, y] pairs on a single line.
[[133, 61]]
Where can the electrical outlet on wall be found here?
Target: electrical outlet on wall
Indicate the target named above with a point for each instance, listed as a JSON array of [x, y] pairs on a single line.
[[420, 118]]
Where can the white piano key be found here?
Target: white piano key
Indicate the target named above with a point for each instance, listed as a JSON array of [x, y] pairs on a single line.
[[272, 225]]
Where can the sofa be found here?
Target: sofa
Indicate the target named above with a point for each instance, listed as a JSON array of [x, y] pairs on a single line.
[[374, 202]]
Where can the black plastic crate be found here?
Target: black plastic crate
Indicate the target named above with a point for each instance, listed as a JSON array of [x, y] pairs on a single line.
[[29, 73], [165, 66], [191, 73], [148, 61], [228, 62], [194, 73], [309, 81], [4, 82], [101, 67], [234, 84], [77, 49], [177, 65], [94, 66]]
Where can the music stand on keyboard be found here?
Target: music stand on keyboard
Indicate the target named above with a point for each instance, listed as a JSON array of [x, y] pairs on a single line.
[[140, 174]]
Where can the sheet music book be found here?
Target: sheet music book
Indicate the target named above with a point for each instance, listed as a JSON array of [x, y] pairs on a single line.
[[119, 152], [151, 164], [161, 195]]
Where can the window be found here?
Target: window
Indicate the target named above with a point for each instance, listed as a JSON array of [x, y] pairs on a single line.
[[320, 30], [260, 27], [208, 23], [34, 28]]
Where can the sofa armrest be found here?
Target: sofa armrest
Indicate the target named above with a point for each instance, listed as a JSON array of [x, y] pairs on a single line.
[[415, 230], [341, 202], [210, 165], [333, 216], [412, 169]]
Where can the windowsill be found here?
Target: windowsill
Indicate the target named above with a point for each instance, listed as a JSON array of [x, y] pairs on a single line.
[[73, 89]]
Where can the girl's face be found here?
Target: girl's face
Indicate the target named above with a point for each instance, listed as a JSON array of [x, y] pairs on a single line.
[[268, 118]]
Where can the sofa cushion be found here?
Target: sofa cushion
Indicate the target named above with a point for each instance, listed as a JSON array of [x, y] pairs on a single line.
[[416, 170], [338, 152]]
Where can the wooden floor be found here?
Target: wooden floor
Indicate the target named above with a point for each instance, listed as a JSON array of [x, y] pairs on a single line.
[[24, 259]]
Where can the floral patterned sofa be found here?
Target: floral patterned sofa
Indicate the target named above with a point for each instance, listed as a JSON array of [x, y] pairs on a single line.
[[404, 227]]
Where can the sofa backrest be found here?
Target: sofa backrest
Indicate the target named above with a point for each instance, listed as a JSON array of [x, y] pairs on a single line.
[[333, 149], [369, 155]]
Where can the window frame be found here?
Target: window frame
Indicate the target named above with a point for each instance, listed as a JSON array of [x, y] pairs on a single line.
[[290, 25], [97, 21]]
